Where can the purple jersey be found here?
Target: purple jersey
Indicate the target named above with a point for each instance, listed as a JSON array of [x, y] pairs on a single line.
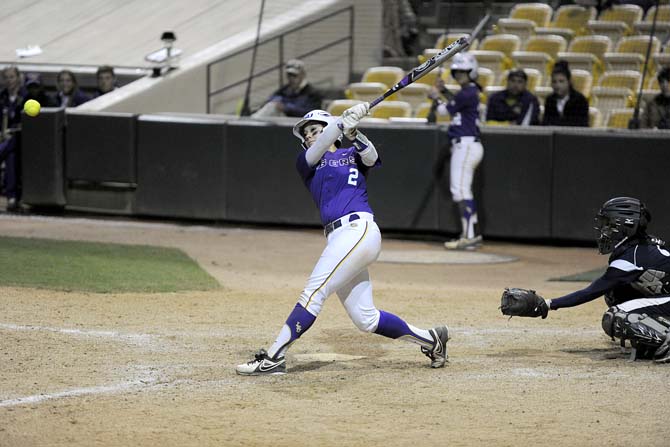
[[464, 111], [337, 183]]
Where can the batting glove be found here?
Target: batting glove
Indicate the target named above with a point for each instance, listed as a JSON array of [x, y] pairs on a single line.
[[352, 116]]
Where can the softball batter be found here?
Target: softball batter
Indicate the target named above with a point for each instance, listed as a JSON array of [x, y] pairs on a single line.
[[466, 147], [336, 177]]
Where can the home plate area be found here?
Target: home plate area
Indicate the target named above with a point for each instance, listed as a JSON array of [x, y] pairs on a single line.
[[442, 257]]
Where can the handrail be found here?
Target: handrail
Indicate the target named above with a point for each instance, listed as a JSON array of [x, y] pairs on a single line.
[[211, 93]]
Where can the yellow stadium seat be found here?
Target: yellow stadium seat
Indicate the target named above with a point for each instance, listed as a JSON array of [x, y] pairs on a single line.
[[586, 53], [414, 94], [569, 21], [496, 61], [630, 53], [388, 109], [662, 27], [485, 77], [540, 13], [652, 83], [595, 117], [619, 118], [616, 21], [542, 92], [523, 28], [445, 39], [582, 81], [337, 106], [423, 110], [621, 78], [505, 43], [540, 52], [610, 98], [430, 77], [386, 75], [365, 91]]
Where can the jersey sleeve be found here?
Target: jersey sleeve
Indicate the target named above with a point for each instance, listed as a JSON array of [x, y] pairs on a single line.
[[304, 169], [619, 272]]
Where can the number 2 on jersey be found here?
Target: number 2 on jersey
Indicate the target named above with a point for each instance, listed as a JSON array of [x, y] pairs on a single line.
[[353, 176]]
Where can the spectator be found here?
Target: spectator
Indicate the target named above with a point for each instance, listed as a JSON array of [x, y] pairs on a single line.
[[12, 98], [566, 106], [400, 28], [657, 112], [35, 90], [296, 98], [106, 80], [69, 94], [515, 104]]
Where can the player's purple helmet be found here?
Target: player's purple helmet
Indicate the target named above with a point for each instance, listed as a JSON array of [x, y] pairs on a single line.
[[319, 116]]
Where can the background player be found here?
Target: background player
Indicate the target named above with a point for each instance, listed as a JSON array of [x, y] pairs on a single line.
[[466, 147], [636, 283], [336, 178]]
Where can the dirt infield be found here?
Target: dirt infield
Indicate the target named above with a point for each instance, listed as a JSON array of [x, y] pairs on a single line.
[[83, 369]]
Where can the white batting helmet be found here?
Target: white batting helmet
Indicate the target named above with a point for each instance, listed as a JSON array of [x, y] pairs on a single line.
[[466, 62], [320, 116]]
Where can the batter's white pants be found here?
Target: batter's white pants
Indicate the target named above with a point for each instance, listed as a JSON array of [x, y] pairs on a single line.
[[465, 157], [342, 269]]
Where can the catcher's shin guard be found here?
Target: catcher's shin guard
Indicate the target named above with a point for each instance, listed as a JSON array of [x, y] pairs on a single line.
[[645, 333]]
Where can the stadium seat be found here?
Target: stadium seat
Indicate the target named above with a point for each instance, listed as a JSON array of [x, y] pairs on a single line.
[[542, 92], [388, 109], [662, 27], [540, 52], [386, 75], [610, 98], [505, 43], [540, 13], [486, 77], [616, 21], [621, 78], [524, 28], [337, 106], [586, 53], [569, 21], [582, 81], [414, 94], [595, 117], [423, 110], [365, 91], [619, 118], [630, 53]]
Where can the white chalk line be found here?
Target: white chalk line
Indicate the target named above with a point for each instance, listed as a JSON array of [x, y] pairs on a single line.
[[140, 339], [109, 389]]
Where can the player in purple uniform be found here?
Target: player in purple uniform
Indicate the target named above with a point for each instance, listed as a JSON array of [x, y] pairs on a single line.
[[336, 177], [466, 147]]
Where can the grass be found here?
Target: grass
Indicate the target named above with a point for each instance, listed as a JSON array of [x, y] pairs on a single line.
[[98, 267], [584, 276]]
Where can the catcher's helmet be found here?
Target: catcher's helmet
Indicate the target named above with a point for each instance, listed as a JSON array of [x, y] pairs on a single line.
[[318, 116], [465, 62], [619, 219]]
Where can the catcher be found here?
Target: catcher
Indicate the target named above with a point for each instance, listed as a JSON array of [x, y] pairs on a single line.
[[636, 284]]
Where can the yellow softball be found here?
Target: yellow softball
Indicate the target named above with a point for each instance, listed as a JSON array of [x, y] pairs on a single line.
[[32, 107]]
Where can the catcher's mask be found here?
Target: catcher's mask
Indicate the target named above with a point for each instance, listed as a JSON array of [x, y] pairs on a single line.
[[619, 219], [313, 117]]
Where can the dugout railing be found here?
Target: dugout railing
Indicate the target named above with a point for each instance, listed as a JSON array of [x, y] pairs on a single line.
[[225, 86]]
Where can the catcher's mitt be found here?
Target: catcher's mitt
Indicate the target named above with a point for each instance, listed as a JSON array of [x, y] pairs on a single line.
[[523, 303]]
